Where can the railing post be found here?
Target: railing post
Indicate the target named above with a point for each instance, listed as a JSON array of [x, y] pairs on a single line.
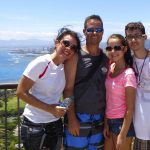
[[18, 106], [5, 101], [5, 89]]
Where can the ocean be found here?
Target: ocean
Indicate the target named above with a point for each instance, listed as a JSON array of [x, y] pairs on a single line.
[[13, 61]]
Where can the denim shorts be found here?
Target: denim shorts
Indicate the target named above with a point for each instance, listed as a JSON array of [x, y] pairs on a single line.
[[115, 126]]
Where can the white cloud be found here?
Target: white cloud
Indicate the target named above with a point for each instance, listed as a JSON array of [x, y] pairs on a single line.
[[147, 28], [7, 35], [109, 28]]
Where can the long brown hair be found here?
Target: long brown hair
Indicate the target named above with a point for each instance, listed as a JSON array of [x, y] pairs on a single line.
[[127, 56]]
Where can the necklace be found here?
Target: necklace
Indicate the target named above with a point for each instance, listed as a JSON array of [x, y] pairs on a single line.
[[139, 72]]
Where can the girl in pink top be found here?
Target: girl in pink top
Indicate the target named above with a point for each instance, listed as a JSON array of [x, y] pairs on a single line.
[[120, 95]]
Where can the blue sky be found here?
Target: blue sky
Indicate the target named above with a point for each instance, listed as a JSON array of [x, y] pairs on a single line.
[[40, 19]]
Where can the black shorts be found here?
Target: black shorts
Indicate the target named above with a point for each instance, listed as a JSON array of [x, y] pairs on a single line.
[[41, 135]]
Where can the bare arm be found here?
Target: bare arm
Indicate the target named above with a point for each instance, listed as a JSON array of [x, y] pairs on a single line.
[[106, 129], [70, 73], [130, 93], [23, 92]]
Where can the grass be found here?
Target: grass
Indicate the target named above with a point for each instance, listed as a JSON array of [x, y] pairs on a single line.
[[12, 110], [12, 105]]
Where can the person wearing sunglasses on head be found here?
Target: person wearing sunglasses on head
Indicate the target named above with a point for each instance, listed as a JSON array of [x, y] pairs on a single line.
[[41, 88], [85, 118], [136, 37], [120, 95]]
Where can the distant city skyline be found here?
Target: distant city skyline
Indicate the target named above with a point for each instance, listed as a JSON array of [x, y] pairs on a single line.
[[41, 19]]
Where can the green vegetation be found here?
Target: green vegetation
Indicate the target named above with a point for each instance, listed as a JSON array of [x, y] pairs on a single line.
[[12, 105], [12, 112]]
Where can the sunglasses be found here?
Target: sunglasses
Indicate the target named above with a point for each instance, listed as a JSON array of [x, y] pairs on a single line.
[[67, 43], [136, 37], [115, 48], [97, 30]]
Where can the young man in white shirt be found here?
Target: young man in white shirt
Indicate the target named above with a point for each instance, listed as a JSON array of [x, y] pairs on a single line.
[[136, 37]]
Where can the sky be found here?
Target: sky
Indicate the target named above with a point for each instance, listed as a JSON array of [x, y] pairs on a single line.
[[41, 19]]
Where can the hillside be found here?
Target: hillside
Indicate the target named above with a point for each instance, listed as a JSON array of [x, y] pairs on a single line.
[[24, 43], [43, 43]]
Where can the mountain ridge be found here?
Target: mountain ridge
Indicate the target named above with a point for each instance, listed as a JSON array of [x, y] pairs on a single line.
[[42, 43], [25, 43]]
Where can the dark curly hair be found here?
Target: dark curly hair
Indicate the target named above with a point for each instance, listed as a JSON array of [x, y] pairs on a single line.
[[135, 26], [65, 31]]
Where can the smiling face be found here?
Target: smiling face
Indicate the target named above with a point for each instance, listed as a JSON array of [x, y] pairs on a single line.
[[115, 50], [66, 47], [135, 39], [93, 31]]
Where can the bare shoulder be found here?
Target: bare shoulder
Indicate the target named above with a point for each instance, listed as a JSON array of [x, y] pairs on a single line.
[[70, 74], [71, 63]]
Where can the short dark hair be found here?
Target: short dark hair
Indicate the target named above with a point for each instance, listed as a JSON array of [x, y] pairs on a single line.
[[135, 26], [97, 17], [65, 31]]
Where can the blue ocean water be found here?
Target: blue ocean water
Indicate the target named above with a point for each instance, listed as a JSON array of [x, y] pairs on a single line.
[[13, 61]]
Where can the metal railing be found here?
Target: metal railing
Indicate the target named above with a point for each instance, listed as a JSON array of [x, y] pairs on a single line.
[[7, 94]]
